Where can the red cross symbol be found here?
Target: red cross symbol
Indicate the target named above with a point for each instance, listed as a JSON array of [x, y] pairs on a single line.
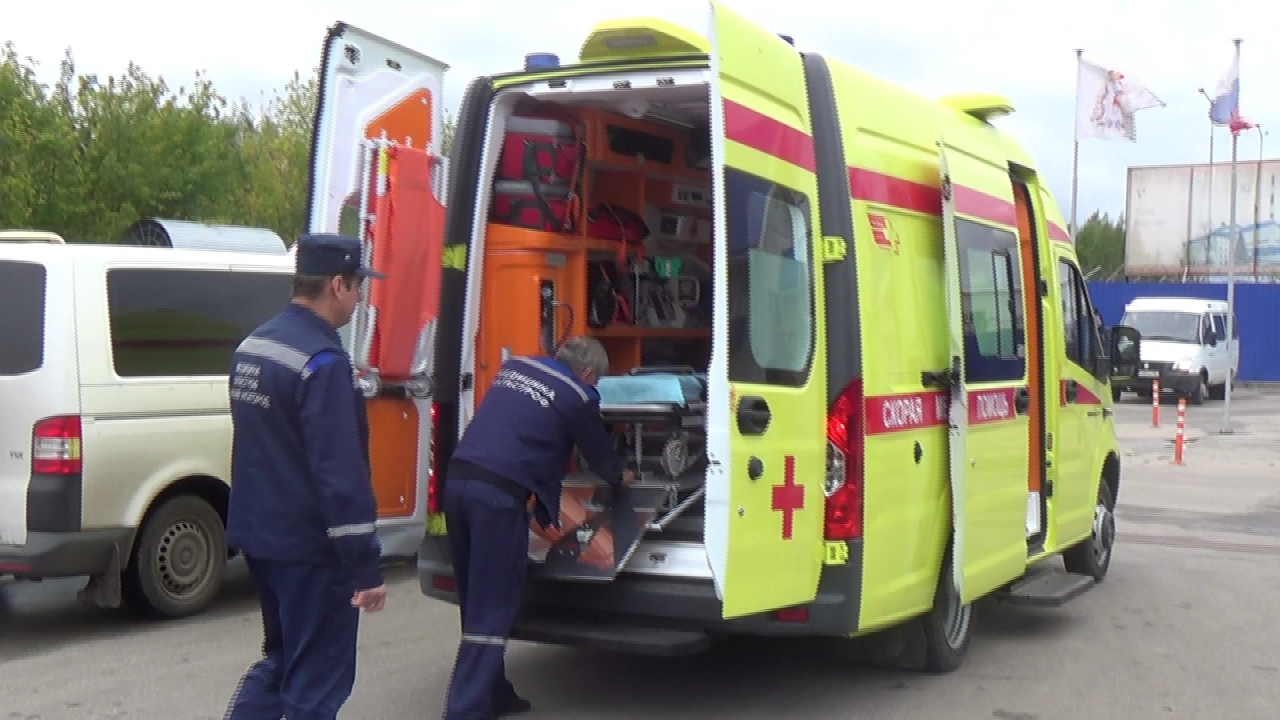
[[788, 497]]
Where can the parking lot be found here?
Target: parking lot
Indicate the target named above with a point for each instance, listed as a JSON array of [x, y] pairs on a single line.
[[1186, 626]]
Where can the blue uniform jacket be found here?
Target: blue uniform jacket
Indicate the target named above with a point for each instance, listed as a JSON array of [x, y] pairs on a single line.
[[526, 427], [300, 485]]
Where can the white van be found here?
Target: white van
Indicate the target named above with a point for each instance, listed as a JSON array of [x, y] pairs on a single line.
[[114, 419], [1183, 346]]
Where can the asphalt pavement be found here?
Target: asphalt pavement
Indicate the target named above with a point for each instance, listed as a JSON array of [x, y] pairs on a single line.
[[1185, 626]]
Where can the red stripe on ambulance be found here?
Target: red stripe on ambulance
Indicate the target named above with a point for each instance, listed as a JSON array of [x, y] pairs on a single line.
[[917, 411], [763, 133], [1058, 234]]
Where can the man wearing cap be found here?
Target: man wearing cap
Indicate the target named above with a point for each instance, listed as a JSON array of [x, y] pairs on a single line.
[[302, 508]]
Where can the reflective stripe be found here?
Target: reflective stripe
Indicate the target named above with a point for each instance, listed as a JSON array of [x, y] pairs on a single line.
[[353, 529], [484, 639], [274, 351], [557, 375]]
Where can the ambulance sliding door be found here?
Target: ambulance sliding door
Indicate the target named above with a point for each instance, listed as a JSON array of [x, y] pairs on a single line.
[[377, 174], [767, 414], [989, 428]]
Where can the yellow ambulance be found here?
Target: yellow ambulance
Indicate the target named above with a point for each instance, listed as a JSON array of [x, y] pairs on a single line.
[[853, 356]]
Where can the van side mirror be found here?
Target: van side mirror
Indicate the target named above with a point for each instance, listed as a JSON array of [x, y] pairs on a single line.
[[1126, 351], [1211, 338]]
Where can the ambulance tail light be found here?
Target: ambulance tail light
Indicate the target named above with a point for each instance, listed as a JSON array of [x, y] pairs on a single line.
[[433, 478], [55, 446], [845, 464]]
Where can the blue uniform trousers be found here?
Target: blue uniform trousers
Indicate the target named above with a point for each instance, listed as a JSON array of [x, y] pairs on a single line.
[[489, 548], [309, 644]]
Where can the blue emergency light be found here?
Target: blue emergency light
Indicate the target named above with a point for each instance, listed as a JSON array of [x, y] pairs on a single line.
[[541, 61]]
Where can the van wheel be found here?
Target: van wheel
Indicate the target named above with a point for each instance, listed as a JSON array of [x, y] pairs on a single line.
[[1197, 396], [178, 560], [1093, 556], [948, 626], [936, 641]]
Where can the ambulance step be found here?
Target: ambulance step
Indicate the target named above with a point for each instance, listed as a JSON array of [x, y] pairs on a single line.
[[1046, 589], [608, 636]]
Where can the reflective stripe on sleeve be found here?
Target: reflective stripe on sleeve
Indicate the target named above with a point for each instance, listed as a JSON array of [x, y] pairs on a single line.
[[484, 639], [353, 529]]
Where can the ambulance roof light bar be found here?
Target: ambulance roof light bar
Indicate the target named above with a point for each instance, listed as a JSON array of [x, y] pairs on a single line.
[[983, 106]]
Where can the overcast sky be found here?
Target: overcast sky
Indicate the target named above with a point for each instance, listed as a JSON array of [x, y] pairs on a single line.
[[935, 48]]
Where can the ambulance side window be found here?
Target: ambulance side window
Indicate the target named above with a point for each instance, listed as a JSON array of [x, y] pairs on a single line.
[[771, 309], [1081, 335], [991, 301]]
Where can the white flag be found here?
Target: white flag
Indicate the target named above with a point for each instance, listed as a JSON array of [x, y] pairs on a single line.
[[1106, 100]]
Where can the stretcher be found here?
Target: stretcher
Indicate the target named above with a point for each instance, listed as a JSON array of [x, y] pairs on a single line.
[[656, 417]]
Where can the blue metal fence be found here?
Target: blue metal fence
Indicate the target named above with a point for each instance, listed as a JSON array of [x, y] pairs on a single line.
[[1257, 312]]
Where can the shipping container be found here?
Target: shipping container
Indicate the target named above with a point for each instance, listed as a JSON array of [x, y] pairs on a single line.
[[1176, 220]]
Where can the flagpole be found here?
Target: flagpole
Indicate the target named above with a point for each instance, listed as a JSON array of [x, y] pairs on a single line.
[[1075, 148], [1231, 260]]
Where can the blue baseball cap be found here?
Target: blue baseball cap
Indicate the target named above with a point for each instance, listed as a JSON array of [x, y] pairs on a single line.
[[330, 254]]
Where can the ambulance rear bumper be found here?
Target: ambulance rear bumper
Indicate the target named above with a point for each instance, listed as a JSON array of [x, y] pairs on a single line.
[[597, 614]]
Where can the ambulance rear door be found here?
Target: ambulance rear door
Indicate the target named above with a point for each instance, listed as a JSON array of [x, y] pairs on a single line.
[[378, 173], [989, 427], [766, 391]]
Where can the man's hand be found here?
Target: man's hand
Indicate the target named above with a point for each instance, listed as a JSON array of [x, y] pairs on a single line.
[[370, 601], [628, 477]]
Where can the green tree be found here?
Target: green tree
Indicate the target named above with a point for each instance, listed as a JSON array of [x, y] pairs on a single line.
[[1100, 245], [450, 127], [38, 183]]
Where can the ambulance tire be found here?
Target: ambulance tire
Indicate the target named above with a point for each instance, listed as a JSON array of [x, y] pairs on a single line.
[[948, 626], [935, 642], [1092, 557], [178, 560]]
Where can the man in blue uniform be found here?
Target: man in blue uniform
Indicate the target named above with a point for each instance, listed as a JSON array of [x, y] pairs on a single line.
[[516, 446], [302, 507]]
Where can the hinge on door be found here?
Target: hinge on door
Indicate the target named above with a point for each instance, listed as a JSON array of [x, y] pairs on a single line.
[[1044, 287], [1048, 489], [938, 378], [467, 381]]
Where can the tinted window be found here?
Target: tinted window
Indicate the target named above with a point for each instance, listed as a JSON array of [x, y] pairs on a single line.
[[770, 281], [991, 302], [186, 322], [22, 321]]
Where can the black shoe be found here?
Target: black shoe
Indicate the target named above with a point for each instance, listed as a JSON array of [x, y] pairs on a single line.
[[514, 706]]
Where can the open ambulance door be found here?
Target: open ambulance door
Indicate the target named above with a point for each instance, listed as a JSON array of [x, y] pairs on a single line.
[[988, 424], [377, 173], [766, 421]]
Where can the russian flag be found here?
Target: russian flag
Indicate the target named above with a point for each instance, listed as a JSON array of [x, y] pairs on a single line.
[[1225, 107]]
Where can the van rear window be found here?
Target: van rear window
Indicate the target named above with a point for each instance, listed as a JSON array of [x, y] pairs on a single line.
[[22, 317]]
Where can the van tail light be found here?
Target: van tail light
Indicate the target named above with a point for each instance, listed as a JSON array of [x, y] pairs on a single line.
[[845, 464], [55, 446], [433, 476]]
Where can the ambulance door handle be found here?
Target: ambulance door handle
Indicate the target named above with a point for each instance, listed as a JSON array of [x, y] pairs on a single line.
[[753, 415], [1022, 401]]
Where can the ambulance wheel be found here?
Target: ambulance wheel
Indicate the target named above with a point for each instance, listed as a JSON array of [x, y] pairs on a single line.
[[948, 626], [1093, 556], [178, 560]]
